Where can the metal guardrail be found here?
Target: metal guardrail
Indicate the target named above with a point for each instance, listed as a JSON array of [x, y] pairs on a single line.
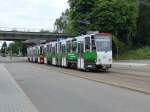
[[23, 29]]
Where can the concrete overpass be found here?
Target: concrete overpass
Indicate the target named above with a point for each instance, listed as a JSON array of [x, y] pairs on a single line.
[[21, 35]]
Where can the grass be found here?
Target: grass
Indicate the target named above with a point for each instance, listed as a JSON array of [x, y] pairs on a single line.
[[141, 53]]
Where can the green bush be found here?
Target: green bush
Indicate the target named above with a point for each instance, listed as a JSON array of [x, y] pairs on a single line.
[[141, 53]]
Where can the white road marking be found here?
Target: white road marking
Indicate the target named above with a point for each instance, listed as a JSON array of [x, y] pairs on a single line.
[[130, 64], [12, 97]]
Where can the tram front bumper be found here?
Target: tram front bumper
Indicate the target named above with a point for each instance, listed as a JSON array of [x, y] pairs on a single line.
[[93, 65], [104, 67]]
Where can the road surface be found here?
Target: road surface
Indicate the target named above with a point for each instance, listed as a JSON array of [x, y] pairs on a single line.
[[51, 89]]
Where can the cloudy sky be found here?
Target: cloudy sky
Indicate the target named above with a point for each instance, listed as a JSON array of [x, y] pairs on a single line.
[[32, 14]]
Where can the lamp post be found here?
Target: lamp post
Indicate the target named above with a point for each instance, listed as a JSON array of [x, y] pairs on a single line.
[[117, 53]]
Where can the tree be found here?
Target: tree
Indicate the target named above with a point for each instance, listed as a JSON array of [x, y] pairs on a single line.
[[4, 48], [4, 45], [143, 24], [62, 24], [116, 16], [16, 47], [80, 14]]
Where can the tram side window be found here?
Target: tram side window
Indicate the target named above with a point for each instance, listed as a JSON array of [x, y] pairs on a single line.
[[41, 50], [53, 51], [36, 51], [87, 43], [80, 48], [44, 50], [93, 43], [60, 48], [47, 48], [74, 46], [69, 48], [56, 48], [63, 49], [50, 49]]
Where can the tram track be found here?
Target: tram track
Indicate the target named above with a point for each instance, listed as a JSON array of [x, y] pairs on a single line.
[[133, 70], [130, 76], [134, 82], [145, 78]]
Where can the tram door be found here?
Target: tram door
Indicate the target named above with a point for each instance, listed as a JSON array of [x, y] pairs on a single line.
[[80, 58], [59, 60]]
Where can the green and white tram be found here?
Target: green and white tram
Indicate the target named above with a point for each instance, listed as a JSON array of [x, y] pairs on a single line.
[[54, 53], [41, 54], [35, 54], [94, 51], [48, 54], [62, 48], [86, 52], [29, 54]]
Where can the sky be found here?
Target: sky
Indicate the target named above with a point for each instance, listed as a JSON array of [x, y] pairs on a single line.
[[30, 14]]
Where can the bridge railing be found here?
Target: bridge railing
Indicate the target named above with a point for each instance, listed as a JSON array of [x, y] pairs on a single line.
[[23, 29]]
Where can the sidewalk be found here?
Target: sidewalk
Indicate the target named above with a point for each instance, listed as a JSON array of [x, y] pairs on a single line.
[[12, 98]]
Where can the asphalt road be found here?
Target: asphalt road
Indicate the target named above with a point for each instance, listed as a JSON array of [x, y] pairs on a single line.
[[54, 91]]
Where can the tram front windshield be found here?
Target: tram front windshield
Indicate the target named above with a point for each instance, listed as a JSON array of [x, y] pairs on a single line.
[[103, 44]]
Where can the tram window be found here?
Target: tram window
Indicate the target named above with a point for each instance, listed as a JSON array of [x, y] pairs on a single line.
[[40, 50], [53, 51], [80, 48], [44, 50], [74, 46], [93, 43], [92, 37], [87, 43], [47, 48], [69, 46], [56, 48], [63, 49], [50, 48], [60, 47]]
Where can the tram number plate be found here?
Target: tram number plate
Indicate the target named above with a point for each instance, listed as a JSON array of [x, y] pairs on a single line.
[[90, 66]]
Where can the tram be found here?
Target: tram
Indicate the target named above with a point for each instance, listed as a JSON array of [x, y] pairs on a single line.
[[86, 52], [29, 51]]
